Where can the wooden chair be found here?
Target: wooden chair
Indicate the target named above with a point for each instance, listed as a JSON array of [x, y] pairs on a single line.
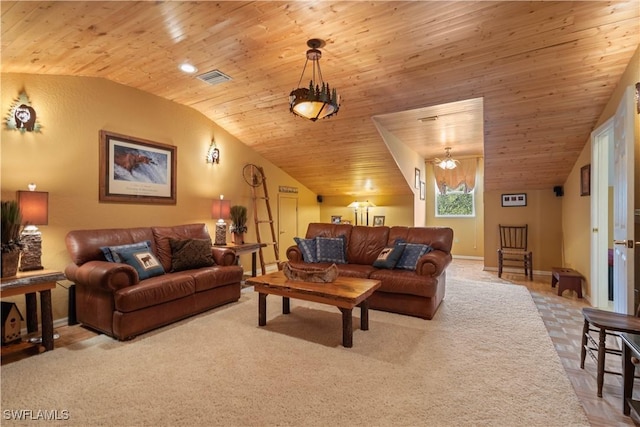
[[513, 248], [604, 323]]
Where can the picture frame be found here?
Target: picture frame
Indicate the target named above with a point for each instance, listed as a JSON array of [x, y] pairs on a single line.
[[423, 190], [511, 200], [135, 170], [417, 178], [336, 219], [378, 220], [585, 180]]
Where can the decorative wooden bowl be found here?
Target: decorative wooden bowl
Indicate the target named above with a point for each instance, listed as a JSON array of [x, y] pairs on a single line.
[[310, 274]]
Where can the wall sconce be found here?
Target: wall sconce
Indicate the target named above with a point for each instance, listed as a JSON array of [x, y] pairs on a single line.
[[34, 207], [22, 116], [221, 209], [213, 154]]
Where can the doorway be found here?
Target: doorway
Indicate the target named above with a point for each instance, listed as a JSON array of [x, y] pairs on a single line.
[[612, 201], [287, 222], [601, 208]]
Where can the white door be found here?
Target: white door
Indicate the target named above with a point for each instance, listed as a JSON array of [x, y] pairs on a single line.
[[623, 202], [287, 223], [601, 151]]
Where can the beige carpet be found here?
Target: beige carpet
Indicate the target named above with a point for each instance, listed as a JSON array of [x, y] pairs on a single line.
[[484, 360]]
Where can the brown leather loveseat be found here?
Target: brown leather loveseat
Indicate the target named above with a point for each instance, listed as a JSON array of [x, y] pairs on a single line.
[[189, 276], [415, 292]]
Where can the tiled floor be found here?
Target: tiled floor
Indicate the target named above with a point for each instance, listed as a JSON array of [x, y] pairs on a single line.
[[562, 316]]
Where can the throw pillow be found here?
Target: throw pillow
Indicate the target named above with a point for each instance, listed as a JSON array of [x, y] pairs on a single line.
[[143, 260], [389, 257], [111, 252], [330, 249], [412, 252], [308, 249], [190, 253]]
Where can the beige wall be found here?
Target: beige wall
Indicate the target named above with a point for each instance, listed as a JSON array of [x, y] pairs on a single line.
[[576, 218], [468, 233], [63, 160], [407, 161], [543, 215], [397, 210]]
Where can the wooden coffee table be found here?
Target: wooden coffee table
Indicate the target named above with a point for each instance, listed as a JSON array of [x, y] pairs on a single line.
[[345, 293]]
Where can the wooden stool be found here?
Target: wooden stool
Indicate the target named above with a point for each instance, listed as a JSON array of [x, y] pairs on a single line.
[[566, 278]]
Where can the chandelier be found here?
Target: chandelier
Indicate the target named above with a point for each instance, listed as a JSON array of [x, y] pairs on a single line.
[[448, 162], [316, 101]]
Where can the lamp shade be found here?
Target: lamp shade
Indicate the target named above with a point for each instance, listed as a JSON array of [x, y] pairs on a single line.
[[34, 207], [221, 209]]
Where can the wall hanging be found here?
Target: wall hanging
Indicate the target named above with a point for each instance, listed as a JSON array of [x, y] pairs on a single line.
[[133, 170], [22, 116]]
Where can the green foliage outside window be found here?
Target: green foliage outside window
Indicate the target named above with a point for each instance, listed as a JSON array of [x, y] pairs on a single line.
[[455, 203]]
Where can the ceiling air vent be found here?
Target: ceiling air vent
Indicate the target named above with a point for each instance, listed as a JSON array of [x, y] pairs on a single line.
[[214, 77]]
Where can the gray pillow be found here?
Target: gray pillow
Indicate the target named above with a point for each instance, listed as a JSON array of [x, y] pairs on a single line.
[[308, 249], [330, 249], [411, 254]]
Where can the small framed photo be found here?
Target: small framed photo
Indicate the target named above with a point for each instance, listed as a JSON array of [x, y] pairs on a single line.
[[509, 200], [423, 190], [378, 220], [417, 178], [336, 219], [585, 180]]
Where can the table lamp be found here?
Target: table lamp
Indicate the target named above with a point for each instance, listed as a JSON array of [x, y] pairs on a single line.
[[34, 207], [221, 209]]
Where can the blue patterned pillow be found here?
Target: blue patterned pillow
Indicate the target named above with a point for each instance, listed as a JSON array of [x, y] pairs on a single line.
[[143, 260], [411, 254], [331, 249], [308, 249], [389, 256], [111, 252]]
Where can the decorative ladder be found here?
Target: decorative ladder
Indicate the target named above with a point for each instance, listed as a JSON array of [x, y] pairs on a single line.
[[254, 175]]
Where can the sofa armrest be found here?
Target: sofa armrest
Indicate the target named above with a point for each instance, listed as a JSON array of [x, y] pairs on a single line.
[[294, 254], [223, 256], [109, 276], [433, 263]]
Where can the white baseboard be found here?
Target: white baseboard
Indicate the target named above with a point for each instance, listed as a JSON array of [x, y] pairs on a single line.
[[474, 258]]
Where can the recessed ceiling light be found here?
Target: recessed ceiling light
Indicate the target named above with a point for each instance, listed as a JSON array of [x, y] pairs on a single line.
[[188, 68]]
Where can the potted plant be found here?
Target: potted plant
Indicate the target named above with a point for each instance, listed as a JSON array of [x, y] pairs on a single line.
[[11, 246], [238, 227]]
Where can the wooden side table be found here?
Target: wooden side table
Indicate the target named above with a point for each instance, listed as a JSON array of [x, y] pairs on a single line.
[[27, 284], [245, 248], [566, 278], [630, 350]]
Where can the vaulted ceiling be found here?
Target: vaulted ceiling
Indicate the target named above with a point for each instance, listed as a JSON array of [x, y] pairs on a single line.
[[541, 73]]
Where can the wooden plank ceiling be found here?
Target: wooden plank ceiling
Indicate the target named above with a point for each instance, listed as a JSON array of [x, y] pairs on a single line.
[[542, 72]]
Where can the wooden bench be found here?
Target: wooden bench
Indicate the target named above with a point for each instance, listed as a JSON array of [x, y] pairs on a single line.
[[566, 278]]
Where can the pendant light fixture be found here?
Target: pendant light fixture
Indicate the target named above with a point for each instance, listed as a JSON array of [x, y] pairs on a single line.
[[448, 162], [316, 101]]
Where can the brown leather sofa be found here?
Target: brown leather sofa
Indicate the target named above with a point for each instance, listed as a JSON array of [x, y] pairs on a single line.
[[112, 299], [416, 292]]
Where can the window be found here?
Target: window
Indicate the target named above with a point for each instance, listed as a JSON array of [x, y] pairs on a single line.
[[455, 203]]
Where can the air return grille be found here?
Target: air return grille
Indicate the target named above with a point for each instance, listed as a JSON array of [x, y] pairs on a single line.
[[214, 77]]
